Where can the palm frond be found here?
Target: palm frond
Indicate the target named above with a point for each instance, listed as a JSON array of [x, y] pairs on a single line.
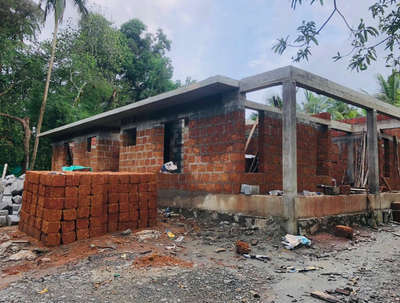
[[81, 4]]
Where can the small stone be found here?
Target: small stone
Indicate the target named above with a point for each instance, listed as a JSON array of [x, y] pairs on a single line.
[[23, 255], [254, 242], [126, 232], [254, 294], [219, 250]]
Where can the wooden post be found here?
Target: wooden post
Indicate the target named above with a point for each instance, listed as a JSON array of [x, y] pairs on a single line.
[[373, 156], [289, 155]]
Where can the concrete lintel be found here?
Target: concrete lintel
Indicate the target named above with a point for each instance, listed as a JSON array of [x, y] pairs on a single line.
[[289, 154], [332, 124], [373, 155]]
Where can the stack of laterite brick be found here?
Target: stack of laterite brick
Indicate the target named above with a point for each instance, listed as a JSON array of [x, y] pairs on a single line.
[[62, 208]]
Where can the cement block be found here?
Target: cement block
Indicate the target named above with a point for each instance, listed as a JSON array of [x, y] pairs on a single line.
[[17, 199], [3, 221], [14, 219]]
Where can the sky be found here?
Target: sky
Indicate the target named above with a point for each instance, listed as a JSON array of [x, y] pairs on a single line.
[[234, 37]]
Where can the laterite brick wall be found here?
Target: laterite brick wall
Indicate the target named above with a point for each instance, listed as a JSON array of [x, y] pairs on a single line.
[[146, 155], [103, 154], [62, 208], [213, 155]]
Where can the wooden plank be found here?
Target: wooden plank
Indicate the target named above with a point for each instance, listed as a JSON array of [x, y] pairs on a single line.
[[250, 135], [387, 183], [324, 297], [345, 127], [331, 89]]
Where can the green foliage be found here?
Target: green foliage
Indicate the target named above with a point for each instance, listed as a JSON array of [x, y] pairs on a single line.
[[275, 101], [315, 104], [389, 88], [365, 39], [58, 8], [148, 71], [97, 67]]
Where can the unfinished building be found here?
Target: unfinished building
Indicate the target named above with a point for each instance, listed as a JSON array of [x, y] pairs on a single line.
[[202, 129]]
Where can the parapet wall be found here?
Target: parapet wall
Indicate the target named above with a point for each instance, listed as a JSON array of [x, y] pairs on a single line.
[[60, 208]]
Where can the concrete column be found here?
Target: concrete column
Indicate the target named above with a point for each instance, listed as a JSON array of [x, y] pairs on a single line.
[[372, 149], [289, 154]]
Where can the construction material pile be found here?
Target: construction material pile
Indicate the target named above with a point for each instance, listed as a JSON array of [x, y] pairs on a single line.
[[11, 189], [60, 208]]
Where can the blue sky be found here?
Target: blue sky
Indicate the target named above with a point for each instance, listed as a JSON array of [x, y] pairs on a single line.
[[234, 38]]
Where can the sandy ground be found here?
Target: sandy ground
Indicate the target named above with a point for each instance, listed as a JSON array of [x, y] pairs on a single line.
[[204, 267]]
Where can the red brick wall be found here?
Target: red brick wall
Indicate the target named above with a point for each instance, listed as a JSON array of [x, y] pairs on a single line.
[[312, 164], [213, 155], [60, 209], [58, 158], [338, 157], [104, 154], [339, 160], [147, 155]]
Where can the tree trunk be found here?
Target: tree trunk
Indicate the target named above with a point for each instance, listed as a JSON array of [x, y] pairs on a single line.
[[46, 91], [27, 136]]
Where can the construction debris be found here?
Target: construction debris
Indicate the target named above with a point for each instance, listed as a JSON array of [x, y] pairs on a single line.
[[11, 189], [147, 234], [242, 247], [344, 231], [324, 297], [23, 255], [344, 291], [248, 189], [292, 242], [257, 257]]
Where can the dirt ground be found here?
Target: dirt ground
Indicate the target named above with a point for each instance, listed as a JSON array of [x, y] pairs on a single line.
[[203, 267]]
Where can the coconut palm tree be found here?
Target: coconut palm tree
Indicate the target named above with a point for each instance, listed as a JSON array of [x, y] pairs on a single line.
[[390, 88], [58, 8], [315, 104]]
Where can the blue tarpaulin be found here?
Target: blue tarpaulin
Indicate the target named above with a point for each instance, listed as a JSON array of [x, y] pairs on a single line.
[[76, 168]]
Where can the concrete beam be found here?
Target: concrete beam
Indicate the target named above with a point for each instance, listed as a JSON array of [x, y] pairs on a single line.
[[337, 125], [331, 89], [372, 150], [195, 92], [264, 80], [383, 124], [289, 155]]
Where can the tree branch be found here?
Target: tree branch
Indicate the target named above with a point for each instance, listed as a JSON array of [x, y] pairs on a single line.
[[22, 121], [7, 90]]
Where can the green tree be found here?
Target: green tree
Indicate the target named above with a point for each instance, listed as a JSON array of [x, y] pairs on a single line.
[[275, 101], [365, 39], [389, 88], [149, 70], [58, 8], [20, 20], [315, 104]]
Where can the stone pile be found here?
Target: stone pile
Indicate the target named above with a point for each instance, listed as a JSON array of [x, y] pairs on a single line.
[[11, 189], [60, 208]]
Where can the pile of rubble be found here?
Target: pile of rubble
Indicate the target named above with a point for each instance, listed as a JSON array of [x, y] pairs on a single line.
[[11, 189]]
